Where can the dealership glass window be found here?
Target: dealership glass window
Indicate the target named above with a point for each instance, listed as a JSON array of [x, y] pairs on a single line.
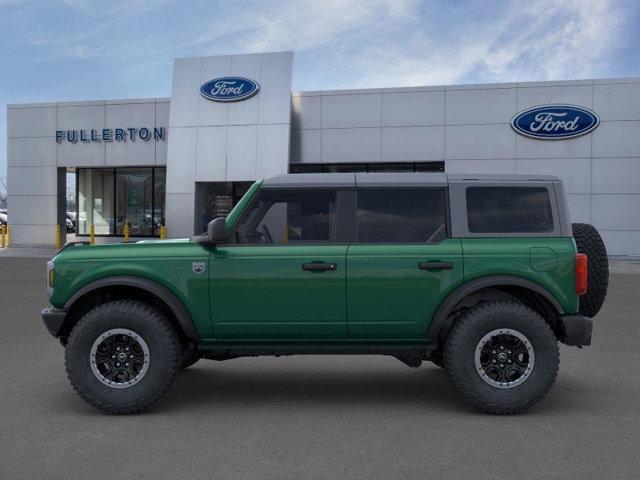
[[289, 217], [216, 199], [401, 215], [134, 201], [95, 201], [344, 168], [305, 168], [109, 198], [159, 194], [366, 167], [391, 167], [509, 210]]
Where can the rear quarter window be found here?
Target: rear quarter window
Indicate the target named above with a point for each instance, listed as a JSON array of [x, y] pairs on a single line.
[[509, 210]]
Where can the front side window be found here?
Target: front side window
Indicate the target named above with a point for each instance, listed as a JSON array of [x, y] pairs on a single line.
[[509, 210], [282, 217], [401, 215]]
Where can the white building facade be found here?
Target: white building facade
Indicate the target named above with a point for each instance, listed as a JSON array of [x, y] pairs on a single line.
[[182, 160]]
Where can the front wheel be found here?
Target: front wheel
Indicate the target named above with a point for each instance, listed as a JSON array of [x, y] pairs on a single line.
[[189, 357], [502, 357], [122, 356]]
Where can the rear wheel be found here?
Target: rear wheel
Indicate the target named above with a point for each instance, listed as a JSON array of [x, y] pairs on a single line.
[[437, 359], [502, 357], [122, 356], [589, 242]]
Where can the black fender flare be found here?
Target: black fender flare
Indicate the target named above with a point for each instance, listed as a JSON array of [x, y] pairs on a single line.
[[167, 296], [440, 317]]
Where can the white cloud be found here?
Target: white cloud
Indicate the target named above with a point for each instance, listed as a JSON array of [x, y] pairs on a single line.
[[542, 40], [363, 42]]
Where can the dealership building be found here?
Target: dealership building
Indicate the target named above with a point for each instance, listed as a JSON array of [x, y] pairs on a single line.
[[180, 161]]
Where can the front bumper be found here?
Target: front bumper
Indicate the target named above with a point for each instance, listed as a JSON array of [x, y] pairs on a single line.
[[577, 330], [53, 319]]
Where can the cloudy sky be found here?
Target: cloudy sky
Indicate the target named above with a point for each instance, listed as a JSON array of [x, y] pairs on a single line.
[[85, 49]]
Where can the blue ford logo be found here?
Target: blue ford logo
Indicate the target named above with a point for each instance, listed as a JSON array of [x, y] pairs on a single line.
[[555, 122], [229, 89]]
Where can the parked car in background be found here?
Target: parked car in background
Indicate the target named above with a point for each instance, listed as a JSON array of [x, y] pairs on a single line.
[[71, 222], [3, 217]]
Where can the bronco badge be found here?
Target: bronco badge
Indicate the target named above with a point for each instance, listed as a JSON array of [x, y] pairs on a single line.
[[198, 267]]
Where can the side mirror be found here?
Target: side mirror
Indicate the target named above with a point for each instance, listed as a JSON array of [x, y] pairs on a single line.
[[217, 231]]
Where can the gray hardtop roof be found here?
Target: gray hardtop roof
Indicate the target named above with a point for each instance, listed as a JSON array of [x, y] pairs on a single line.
[[417, 179]]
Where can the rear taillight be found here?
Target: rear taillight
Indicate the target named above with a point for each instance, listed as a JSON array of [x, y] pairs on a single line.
[[581, 273]]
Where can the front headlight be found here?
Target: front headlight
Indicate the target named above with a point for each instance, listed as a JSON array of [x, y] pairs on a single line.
[[51, 278]]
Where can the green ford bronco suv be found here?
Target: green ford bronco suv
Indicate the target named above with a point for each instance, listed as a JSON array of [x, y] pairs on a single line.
[[481, 275]]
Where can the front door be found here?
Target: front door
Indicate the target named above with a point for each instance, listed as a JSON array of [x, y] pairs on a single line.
[[283, 276], [402, 263]]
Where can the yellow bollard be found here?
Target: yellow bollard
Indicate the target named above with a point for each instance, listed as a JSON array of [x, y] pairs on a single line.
[[163, 232], [126, 232], [92, 235], [58, 237], [8, 235], [3, 235]]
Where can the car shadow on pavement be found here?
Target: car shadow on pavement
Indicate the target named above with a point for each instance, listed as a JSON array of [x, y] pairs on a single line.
[[203, 387], [206, 387]]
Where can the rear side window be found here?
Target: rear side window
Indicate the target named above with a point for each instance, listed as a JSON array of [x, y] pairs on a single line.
[[509, 210], [401, 216]]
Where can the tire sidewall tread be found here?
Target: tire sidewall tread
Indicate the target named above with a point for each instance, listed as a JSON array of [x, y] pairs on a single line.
[[164, 350], [464, 337]]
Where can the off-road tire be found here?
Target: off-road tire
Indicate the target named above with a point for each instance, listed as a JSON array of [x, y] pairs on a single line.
[[588, 241], [464, 337], [164, 352], [437, 359], [189, 357]]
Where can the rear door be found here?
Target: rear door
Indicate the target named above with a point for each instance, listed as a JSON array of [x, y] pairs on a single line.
[[402, 263]]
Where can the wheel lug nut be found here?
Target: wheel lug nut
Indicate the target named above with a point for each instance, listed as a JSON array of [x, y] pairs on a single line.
[[126, 364], [509, 352], [493, 351], [130, 356], [501, 366], [113, 356], [501, 348], [117, 364], [118, 349], [509, 361], [494, 361]]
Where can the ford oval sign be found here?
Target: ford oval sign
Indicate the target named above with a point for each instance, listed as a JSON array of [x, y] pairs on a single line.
[[555, 122], [229, 89]]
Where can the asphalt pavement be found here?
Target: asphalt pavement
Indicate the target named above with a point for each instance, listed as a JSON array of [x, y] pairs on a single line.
[[316, 417]]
